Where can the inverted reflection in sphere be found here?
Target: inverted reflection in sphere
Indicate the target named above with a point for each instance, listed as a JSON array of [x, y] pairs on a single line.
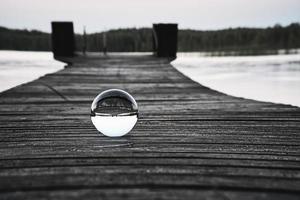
[[114, 112]]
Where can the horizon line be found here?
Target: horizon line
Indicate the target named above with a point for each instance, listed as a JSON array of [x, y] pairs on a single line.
[[149, 27]]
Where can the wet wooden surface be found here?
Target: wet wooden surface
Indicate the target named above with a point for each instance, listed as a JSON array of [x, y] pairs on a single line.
[[190, 142]]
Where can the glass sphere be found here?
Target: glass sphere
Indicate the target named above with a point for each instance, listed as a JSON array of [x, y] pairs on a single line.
[[114, 112]]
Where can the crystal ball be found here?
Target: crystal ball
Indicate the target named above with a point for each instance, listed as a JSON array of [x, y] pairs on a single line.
[[114, 112]]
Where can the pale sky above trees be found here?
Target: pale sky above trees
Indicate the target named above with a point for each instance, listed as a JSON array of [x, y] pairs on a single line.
[[99, 15]]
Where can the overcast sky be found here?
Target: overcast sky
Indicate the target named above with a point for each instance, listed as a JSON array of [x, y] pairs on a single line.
[[98, 15]]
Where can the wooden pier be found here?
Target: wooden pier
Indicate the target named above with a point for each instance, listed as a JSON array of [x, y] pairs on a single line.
[[190, 142]]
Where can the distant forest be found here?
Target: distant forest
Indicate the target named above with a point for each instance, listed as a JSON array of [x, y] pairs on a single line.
[[140, 40]]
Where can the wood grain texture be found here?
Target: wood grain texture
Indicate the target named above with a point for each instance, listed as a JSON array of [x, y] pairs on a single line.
[[190, 141]]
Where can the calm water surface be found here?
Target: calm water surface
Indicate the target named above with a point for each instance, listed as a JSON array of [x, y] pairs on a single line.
[[18, 67], [273, 78]]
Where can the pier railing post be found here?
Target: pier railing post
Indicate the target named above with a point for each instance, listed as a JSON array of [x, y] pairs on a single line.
[[165, 40], [63, 40]]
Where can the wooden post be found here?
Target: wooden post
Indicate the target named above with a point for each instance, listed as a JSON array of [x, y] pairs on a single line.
[[84, 46], [63, 41], [104, 43], [165, 40]]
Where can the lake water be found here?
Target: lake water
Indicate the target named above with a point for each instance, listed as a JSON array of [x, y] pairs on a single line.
[[274, 78], [17, 67]]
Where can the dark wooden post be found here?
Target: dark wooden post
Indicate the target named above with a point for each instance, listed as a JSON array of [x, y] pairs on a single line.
[[104, 43], [63, 41], [84, 46], [165, 40]]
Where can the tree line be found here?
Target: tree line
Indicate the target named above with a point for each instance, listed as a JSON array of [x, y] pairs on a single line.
[[140, 40]]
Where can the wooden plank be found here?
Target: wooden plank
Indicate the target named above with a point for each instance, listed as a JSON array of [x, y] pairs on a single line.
[[190, 141]]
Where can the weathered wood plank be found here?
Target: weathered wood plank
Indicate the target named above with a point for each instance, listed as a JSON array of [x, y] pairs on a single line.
[[190, 142]]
